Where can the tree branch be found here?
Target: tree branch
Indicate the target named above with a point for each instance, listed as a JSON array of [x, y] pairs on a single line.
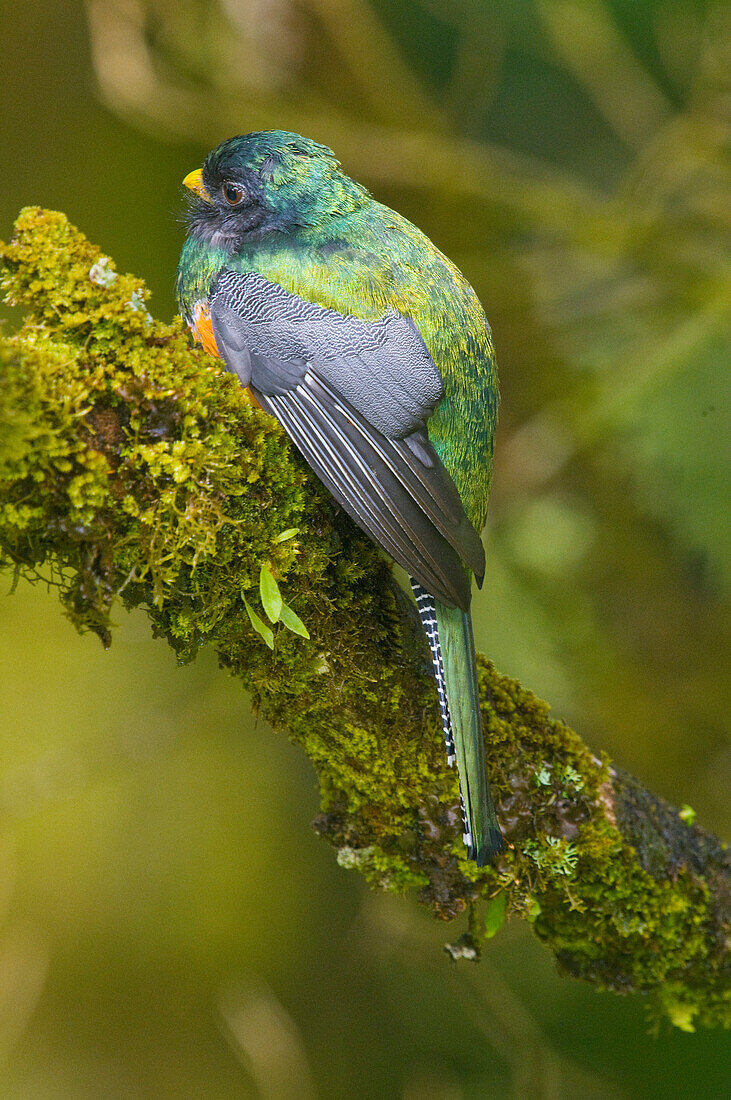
[[131, 468]]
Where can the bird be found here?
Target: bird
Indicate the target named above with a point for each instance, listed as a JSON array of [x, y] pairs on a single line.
[[373, 352]]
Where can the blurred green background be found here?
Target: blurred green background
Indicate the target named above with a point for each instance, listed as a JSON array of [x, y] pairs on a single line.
[[169, 924]]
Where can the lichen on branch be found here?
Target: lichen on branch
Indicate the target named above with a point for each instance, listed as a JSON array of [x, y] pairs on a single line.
[[133, 469]]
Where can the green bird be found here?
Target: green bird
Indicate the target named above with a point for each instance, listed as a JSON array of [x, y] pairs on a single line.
[[374, 354]]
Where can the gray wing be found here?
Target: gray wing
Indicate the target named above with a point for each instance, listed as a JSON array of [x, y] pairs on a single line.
[[354, 396]]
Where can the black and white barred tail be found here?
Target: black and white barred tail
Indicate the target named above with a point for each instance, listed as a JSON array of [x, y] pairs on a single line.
[[449, 633], [428, 616]]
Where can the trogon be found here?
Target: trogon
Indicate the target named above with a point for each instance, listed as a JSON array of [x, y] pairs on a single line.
[[373, 352]]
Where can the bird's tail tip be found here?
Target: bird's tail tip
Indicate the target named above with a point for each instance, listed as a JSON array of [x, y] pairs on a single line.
[[492, 845]]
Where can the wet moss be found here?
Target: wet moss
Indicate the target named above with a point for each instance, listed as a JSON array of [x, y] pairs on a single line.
[[133, 470]]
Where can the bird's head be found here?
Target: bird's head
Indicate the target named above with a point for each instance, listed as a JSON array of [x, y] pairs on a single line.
[[263, 183]]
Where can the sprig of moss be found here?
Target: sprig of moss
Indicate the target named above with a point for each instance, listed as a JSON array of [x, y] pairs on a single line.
[[133, 469]]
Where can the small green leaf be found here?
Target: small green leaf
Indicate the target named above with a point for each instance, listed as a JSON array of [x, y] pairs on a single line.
[[681, 1015], [534, 910], [572, 778], [495, 914], [258, 624], [271, 597], [293, 621], [686, 813], [288, 534]]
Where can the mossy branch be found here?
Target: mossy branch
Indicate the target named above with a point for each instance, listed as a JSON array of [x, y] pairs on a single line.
[[132, 469]]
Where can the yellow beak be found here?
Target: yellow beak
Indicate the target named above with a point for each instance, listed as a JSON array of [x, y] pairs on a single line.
[[194, 182]]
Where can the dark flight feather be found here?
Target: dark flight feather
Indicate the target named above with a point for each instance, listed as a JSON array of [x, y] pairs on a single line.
[[356, 475]]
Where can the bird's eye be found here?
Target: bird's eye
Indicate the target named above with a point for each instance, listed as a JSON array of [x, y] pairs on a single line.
[[233, 193]]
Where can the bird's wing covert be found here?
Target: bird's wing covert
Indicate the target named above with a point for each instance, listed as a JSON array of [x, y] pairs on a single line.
[[354, 396]]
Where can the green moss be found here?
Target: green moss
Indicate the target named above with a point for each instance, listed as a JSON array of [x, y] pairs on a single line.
[[133, 469], [382, 872]]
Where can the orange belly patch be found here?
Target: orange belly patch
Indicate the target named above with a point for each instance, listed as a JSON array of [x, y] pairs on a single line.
[[203, 329]]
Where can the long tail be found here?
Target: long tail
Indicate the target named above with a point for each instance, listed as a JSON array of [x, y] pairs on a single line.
[[449, 632]]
